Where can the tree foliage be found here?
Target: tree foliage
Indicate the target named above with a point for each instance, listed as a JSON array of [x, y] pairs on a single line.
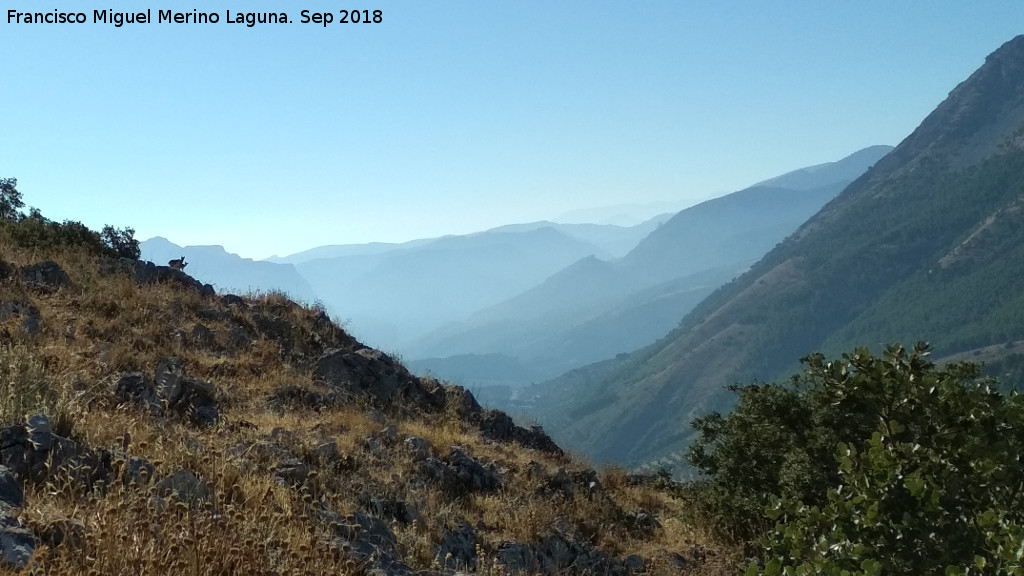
[[36, 231], [121, 242], [10, 199], [871, 465]]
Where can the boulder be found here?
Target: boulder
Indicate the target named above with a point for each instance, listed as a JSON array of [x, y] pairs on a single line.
[[17, 543], [31, 320], [458, 548], [420, 448], [45, 277], [7, 270], [184, 485], [171, 393], [11, 494], [203, 337], [388, 508]]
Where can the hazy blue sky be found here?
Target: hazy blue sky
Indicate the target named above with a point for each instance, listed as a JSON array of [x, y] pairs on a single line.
[[455, 116]]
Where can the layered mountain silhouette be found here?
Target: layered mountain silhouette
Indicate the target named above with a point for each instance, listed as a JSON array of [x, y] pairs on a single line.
[[597, 308], [394, 293], [927, 245], [230, 272]]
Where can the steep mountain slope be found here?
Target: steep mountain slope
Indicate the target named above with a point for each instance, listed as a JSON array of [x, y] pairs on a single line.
[[926, 245], [230, 272], [597, 308]]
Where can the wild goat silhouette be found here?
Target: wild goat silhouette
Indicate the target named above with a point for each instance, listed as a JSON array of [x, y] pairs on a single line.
[[178, 264]]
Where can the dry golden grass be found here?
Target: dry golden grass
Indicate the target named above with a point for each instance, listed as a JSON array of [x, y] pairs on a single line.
[[106, 325]]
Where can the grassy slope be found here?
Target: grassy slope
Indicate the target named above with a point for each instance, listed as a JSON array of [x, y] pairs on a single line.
[[105, 325]]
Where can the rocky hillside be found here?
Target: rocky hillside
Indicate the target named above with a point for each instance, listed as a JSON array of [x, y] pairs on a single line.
[[927, 245], [152, 426]]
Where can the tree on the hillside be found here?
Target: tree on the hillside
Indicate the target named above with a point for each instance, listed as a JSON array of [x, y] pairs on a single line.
[[10, 199], [121, 242]]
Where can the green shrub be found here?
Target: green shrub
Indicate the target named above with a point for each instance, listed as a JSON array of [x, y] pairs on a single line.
[[871, 466]]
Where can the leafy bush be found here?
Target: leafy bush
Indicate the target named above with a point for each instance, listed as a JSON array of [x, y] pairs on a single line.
[[121, 242], [45, 234], [35, 231], [10, 199], [871, 466]]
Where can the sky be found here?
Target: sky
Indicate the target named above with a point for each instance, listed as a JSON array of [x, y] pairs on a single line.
[[453, 116]]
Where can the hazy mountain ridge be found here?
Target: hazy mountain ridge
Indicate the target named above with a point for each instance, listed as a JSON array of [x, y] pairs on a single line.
[[401, 294], [865, 268], [596, 308]]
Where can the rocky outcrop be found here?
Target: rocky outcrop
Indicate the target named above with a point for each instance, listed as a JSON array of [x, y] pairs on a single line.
[[458, 548], [460, 474], [170, 393], [185, 487], [498, 426], [146, 273], [375, 376], [17, 542], [368, 541], [31, 320], [558, 553], [32, 450], [45, 277]]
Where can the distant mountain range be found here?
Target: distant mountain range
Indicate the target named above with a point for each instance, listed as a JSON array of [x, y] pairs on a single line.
[[596, 308], [927, 245]]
